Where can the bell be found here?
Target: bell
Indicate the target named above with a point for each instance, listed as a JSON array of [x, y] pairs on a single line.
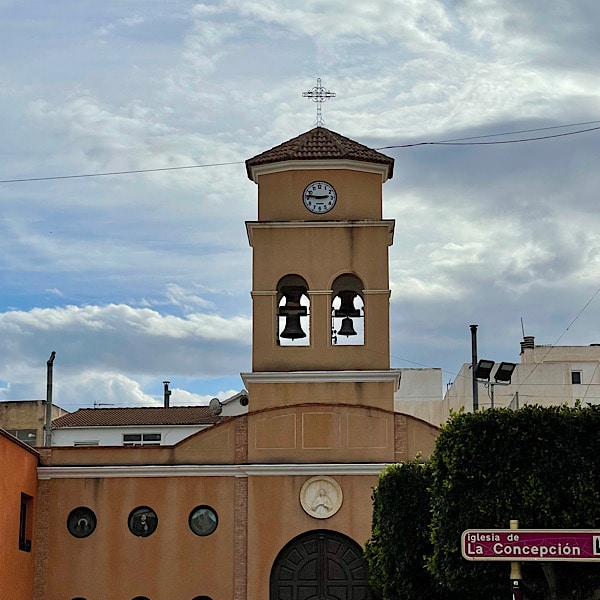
[[293, 329], [346, 308], [347, 327], [292, 294], [292, 310]]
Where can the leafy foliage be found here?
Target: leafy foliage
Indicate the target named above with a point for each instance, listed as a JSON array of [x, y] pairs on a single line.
[[538, 465], [400, 540]]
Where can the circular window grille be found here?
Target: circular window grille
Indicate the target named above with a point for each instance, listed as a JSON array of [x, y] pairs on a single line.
[[142, 521], [203, 520], [81, 522]]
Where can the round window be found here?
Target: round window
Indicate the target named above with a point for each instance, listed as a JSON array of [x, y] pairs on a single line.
[[81, 522], [203, 520], [142, 521]]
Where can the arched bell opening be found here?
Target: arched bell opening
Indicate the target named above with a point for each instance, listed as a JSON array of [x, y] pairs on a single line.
[[347, 312], [293, 312]]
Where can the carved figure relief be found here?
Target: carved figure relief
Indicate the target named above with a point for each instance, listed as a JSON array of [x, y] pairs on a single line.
[[321, 497]]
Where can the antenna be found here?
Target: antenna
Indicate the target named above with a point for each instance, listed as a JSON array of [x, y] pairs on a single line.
[[318, 94]]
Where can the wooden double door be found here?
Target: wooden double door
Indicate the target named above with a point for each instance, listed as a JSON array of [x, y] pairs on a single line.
[[320, 565]]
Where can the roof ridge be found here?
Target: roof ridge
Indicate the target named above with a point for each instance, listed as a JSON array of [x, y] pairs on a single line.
[[142, 407]]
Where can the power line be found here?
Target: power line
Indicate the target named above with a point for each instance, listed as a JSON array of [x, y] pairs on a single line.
[[120, 172], [467, 141], [477, 137], [495, 142], [560, 337]]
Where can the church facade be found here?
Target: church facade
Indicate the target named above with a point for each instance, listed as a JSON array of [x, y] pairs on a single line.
[[276, 503]]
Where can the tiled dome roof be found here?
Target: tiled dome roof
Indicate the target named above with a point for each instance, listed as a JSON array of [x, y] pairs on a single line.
[[320, 144]]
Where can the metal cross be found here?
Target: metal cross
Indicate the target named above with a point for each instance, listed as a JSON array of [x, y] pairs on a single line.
[[318, 94]]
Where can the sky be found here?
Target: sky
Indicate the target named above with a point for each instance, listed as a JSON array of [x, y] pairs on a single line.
[[138, 278]]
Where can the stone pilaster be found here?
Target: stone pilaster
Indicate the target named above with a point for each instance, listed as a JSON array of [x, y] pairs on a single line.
[[400, 438], [41, 543], [240, 532]]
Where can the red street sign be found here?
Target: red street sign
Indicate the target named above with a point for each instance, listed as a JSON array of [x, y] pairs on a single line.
[[518, 545]]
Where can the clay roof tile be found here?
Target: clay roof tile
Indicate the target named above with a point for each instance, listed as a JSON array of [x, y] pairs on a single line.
[[318, 144], [115, 417]]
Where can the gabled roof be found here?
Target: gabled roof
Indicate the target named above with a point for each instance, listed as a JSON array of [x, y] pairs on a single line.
[[116, 417], [320, 144]]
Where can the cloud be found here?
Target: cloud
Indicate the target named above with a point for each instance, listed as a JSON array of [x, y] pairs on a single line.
[[137, 342], [139, 278]]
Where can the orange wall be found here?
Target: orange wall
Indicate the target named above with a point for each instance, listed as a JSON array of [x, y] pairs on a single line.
[[171, 563], [18, 464], [275, 517]]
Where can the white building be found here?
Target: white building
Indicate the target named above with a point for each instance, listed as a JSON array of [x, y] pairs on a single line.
[[546, 376], [142, 426], [420, 394]]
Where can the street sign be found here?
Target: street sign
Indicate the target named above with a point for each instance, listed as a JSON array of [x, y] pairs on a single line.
[[531, 544]]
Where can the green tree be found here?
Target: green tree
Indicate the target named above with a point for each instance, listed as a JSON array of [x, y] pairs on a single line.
[[397, 552], [538, 465]]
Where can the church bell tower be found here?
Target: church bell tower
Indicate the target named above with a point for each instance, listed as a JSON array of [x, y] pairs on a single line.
[[320, 287]]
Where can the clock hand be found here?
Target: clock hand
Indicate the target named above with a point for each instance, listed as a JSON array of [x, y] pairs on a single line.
[[319, 197]]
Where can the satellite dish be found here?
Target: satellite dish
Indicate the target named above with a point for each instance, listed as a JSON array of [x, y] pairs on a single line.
[[215, 406]]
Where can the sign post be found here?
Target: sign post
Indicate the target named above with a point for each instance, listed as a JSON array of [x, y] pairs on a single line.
[[515, 569], [518, 545]]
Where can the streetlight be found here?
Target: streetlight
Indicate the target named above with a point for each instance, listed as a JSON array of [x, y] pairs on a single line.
[[502, 376]]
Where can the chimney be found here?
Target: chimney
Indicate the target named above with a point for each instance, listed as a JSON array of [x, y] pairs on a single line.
[[528, 343], [167, 394]]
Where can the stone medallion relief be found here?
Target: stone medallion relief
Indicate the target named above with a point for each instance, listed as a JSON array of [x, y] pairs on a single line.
[[321, 497]]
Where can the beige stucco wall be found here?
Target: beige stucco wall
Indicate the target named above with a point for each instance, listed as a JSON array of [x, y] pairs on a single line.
[[378, 394], [275, 517], [113, 563], [325, 254], [27, 414], [258, 513], [280, 194], [350, 239], [321, 433], [173, 562]]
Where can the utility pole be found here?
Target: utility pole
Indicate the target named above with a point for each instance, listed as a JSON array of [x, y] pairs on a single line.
[[473, 329], [48, 420]]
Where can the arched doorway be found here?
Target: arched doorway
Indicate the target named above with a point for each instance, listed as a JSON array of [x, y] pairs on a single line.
[[320, 565]]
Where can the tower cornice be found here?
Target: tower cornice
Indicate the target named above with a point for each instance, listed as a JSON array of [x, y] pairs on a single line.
[[319, 165], [387, 375], [252, 226]]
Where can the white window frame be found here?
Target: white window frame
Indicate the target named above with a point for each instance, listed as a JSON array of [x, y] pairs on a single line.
[[142, 439]]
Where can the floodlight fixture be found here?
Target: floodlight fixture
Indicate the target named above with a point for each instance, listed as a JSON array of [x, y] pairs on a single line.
[[483, 369], [504, 372]]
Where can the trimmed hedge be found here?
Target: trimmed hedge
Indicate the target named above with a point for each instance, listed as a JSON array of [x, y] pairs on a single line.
[[397, 552], [538, 465]]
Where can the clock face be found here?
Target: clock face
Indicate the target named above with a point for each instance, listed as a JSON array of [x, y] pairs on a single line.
[[319, 197]]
